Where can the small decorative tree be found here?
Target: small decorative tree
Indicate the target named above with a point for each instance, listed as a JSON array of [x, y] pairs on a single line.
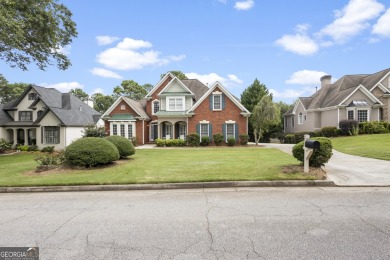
[[265, 115]]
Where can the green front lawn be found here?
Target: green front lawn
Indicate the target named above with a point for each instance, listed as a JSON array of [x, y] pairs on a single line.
[[159, 166], [372, 146]]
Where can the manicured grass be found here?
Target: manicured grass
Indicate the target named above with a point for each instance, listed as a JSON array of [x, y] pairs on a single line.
[[372, 146], [159, 166]]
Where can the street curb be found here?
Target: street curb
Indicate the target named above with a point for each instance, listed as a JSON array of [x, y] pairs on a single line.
[[166, 186]]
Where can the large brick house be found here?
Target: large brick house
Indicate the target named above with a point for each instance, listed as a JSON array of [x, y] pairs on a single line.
[[175, 108], [362, 97]]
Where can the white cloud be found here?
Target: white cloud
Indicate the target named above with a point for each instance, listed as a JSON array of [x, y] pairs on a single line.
[[126, 56], [298, 43], [131, 44], [306, 77], [105, 73], [211, 78], [105, 39], [244, 5], [352, 19], [63, 86], [235, 79], [287, 93], [382, 27]]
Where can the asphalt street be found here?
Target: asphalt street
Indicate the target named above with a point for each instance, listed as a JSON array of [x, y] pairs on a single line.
[[240, 223]]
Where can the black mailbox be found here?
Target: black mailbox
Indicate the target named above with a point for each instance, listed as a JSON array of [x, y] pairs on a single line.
[[312, 144]]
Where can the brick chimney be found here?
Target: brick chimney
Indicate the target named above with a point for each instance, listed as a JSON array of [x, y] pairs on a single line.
[[325, 80]]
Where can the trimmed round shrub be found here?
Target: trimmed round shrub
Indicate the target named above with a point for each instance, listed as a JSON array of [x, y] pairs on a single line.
[[205, 141], [319, 156], [193, 139], [218, 139], [231, 141], [329, 131], [125, 146], [289, 139], [91, 151]]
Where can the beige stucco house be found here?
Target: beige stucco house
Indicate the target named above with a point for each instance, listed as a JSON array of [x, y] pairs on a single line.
[[45, 117], [363, 97]]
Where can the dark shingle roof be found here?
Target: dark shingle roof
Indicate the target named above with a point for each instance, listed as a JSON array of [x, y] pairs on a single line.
[[333, 94], [70, 110], [196, 87], [4, 117]]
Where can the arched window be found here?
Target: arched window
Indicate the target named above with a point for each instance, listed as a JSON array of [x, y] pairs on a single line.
[[39, 113], [300, 118]]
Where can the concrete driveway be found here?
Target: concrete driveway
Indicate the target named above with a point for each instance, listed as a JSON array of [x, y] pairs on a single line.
[[349, 170]]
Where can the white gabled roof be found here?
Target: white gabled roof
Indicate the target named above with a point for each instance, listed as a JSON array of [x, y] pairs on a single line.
[[175, 79], [159, 84], [138, 109], [366, 92], [226, 92]]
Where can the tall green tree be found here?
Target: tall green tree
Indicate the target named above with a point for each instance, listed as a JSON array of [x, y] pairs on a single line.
[[78, 92], [283, 107], [9, 91], [177, 73], [266, 115], [253, 94], [251, 97], [130, 89], [148, 87], [35, 31], [101, 102]]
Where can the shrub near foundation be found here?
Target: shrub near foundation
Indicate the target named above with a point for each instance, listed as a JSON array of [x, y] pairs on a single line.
[[124, 145], [91, 151]]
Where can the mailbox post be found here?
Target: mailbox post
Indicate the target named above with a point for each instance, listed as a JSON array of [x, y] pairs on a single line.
[[308, 147]]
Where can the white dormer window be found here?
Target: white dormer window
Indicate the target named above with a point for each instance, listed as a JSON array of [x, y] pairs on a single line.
[[175, 103], [217, 102]]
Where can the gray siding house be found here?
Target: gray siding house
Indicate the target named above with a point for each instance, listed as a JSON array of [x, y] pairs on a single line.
[[45, 117], [363, 97]]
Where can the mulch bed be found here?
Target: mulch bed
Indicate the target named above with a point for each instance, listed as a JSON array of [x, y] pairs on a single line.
[[319, 173]]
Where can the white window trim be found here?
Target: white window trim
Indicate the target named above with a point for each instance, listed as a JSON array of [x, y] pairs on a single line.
[[220, 101], [363, 109], [230, 122], [123, 107], [200, 129], [353, 110], [175, 97], [300, 118], [118, 128], [234, 130], [155, 101]]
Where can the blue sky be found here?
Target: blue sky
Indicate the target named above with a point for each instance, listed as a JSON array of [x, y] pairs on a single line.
[[288, 45]]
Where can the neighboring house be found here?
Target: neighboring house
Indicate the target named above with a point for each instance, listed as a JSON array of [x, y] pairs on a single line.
[[45, 117], [175, 108], [363, 97]]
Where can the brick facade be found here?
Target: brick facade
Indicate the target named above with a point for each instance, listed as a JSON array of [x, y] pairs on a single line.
[[230, 112], [218, 118], [127, 111]]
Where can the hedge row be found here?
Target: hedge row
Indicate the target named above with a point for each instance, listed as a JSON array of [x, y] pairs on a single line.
[[195, 140], [346, 128]]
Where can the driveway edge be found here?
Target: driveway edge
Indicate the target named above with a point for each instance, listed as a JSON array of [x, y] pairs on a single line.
[[164, 186]]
